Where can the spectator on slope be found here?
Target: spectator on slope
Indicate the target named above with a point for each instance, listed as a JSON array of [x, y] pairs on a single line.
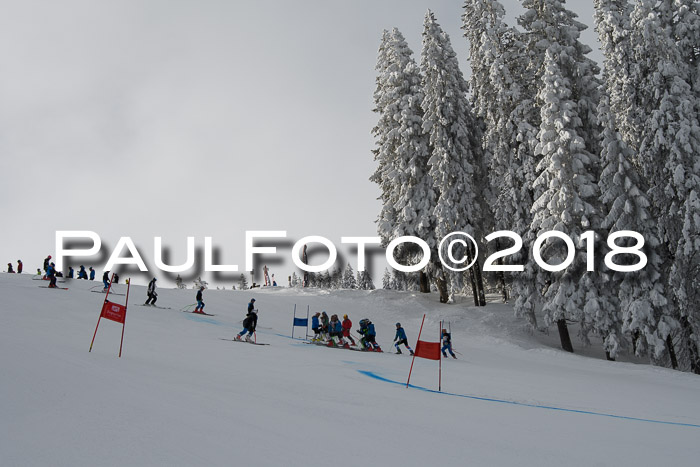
[[347, 326], [92, 274], [316, 327], [325, 323], [335, 331], [71, 272], [19, 266], [249, 324], [401, 338], [116, 278], [152, 294], [9, 268], [82, 274], [447, 343], [200, 303], [105, 280]]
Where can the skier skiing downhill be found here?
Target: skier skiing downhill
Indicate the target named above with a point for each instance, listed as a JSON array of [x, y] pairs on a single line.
[[347, 326], [369, 335], [249, 323], [402, 339], [447, 343], [200, 303], [51, 274], [152, 295]]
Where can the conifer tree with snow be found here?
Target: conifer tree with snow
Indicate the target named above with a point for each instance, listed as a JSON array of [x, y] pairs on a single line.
[[348, 279], [455, 157], [569, 200], [402, 146], [666, 109], [243, 283], [387, 280], [365, 282]]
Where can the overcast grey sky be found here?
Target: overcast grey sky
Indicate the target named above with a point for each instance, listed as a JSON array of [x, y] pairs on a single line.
[[204, 118]]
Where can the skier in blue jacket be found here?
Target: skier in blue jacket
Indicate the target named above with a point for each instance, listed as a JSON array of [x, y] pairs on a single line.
[[51, 274], [92, 274], [316, 326], [369, 335], [401, 338], [447, 343]]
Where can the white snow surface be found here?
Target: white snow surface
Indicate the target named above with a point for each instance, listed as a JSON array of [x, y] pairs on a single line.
[[181, 396]]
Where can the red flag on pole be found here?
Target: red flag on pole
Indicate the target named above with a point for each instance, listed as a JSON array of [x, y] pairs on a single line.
[[114, 311], [429, 350]]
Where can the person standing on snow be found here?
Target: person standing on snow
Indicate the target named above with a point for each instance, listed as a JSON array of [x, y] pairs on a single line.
[[152, 295], [9, 268], [347, 326], [200, 303], [92, 274], [19, 266], [402, 339], [47, 260], [71, 272], [316, 327], [105, 280], [446, 343], [325, 322]]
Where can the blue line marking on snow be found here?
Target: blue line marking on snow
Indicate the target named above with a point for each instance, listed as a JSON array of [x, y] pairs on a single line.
[[525, 404], [202, 319]]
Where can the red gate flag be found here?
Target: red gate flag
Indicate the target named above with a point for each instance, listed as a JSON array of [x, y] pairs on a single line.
[[429, 350], [114, 311]]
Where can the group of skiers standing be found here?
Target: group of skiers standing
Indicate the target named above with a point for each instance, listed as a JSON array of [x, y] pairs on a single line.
[[11, 270]]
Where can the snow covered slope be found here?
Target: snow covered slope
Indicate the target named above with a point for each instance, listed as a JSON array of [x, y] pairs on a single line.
[[182, 396]]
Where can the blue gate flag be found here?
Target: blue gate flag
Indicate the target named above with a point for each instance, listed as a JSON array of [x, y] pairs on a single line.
[[301, 322]]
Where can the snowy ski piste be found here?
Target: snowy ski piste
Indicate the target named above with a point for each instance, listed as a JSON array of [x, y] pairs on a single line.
[[183, 395]]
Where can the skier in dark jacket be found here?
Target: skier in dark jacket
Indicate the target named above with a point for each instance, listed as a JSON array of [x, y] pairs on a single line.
[[47, 260], [369, 335], [316, 327], [401, 338], [19, 266], [200, 303], [325, 322], [152, 295], [71, 272], [81, 272], [10, 270], [105, 280], [92, 274], [447, 343], [335, 330], [249, 324], [51, 274]]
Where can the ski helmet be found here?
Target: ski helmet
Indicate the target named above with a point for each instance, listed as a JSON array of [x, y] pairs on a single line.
[[252, 299], [345, 316], [398, 325]]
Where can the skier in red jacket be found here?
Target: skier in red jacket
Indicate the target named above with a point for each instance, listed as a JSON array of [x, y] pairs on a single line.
[[347, 326]]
